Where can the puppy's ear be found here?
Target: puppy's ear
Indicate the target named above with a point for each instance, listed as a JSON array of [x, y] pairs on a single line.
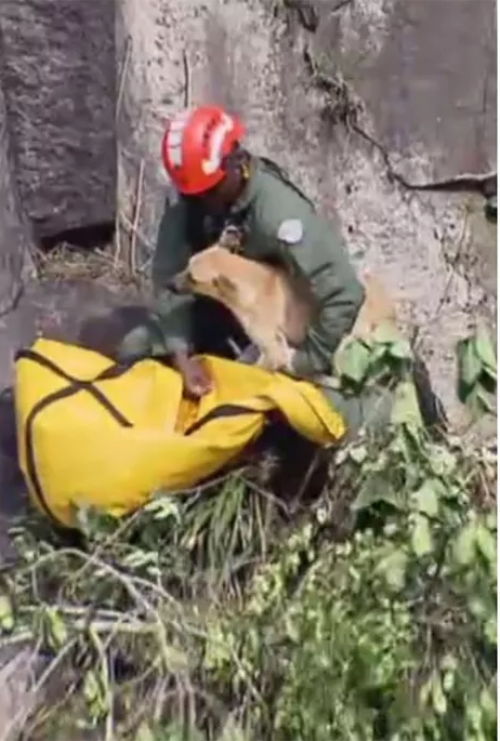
[[202, 269], [225, 285]]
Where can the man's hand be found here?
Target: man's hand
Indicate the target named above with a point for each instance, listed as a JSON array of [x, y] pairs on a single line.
[[196, 379]]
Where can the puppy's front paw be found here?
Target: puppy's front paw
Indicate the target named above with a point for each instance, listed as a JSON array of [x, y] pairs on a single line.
[[250, 355], [288, 365], [281, 361], [264, 361]]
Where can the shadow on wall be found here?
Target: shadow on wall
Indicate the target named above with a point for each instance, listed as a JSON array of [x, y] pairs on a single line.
[[94, 236]]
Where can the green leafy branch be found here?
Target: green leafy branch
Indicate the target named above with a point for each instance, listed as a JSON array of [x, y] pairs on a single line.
[[382, 358], [477, 372]]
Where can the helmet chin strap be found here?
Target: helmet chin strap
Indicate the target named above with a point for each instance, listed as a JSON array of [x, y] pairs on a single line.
[[245, 171]]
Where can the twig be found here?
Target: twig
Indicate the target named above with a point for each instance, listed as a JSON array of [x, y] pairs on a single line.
[[159, 700], [140, 236], [145, 265], [126, 582], [138, 204], [96, 640], [103, 621], [267, 495], [129, 584], [139, 714], [187, 79], [118, 241], [123, 76], [121, 88], [307, 478], [13, 640]]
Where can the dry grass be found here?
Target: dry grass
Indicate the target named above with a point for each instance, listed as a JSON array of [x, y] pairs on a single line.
[[67, 263]]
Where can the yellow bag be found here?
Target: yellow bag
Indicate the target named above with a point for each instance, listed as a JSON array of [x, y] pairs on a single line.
[[92, 433]]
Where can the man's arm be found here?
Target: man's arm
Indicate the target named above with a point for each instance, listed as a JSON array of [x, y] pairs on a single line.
[[171, 256], [324, 262], [175, 311], [314, 250], [168, 329]]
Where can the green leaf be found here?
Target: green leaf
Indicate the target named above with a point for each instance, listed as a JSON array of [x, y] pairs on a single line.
[[144, 733], [449, 663], [387, 333], [464, 547], [490, 630], [438, 697], [7, 621], [91, 687], [139, 558], [426, 499], [477, 401], [474, 716], [490, 373], [478, 607], [448, 681], [358, 454], [379, 353], [58, 634], [421, 539], [401, 350], [425, 692], [488, 703], [405, 408], [485, 401], [491, 521], [163, 508], [469, 365], [484, 348], [376, 489], [393, 568], [442, 463], [486, 543], [354, 361]]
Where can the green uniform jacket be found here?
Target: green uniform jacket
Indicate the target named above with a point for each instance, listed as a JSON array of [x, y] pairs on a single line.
[[276, 223]]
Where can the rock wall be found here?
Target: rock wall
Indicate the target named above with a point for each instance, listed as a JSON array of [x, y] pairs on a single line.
[[16, 239], [379, 87], [58, 76]]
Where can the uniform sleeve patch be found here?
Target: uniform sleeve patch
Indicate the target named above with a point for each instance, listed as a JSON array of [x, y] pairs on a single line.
[[291, 231]]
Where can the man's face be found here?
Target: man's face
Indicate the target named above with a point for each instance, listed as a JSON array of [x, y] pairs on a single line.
[[217, 200]]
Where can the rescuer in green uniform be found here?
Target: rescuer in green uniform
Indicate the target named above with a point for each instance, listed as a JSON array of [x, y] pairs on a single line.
[[223, 187]]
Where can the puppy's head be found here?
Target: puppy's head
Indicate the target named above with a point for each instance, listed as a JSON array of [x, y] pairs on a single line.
[[209, 273]]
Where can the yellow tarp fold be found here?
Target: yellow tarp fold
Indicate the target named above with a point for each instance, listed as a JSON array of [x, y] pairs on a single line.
[[92, 433]]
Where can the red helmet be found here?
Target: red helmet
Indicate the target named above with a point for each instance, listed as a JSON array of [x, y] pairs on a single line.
[[194, 145]]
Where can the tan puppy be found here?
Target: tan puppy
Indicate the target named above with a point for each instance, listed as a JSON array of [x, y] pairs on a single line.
[[273, 309]]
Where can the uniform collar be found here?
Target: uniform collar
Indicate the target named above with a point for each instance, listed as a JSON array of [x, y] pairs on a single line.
[[250, 191]]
